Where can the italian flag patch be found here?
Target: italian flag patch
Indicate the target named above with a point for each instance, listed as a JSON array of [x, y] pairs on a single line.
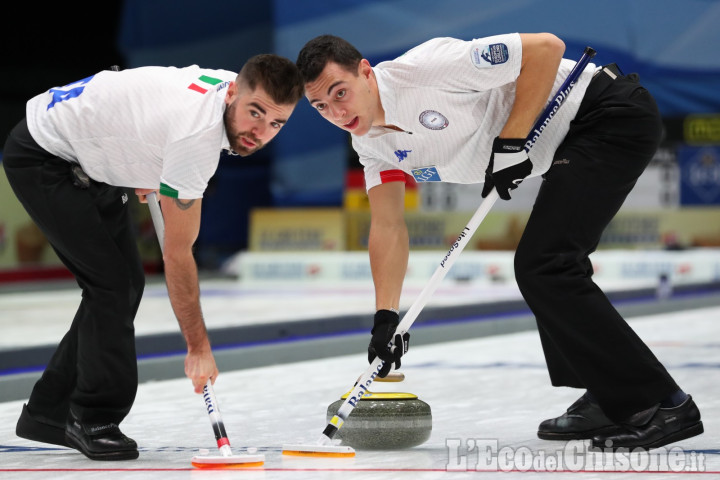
[[204, 83], [168, 191]]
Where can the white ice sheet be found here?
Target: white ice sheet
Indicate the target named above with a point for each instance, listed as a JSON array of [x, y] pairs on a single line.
[[493, 389]]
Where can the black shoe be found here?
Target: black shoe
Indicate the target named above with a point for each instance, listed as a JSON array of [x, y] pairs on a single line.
[[654, 427], [100, 442], [39, 429], [583, 420]]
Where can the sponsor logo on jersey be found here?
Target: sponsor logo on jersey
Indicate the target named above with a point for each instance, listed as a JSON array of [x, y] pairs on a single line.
[[402, 154], [433, 120], [426, 174], [489, 55]]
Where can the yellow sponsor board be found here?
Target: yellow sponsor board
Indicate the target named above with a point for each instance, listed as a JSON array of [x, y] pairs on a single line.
[[702, 129], [23, 245], [438, 230], [357, 199], [297, 229], [335, 229], [21, 241], [679, 228]]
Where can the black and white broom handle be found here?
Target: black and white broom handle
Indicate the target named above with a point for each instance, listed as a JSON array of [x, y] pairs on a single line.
[[218, 426]]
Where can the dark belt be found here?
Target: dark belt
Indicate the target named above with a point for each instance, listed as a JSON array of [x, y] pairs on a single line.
[[611, 70], [601, 80]]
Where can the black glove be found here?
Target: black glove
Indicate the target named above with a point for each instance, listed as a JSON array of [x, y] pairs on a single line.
[[509, 165], [386, 322]]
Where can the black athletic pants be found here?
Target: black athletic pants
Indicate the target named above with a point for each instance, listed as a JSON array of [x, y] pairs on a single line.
[[94, 369], [587, 344]]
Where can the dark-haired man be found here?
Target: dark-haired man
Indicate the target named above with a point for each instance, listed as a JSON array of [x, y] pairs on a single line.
[[460, 111], [149, 128]]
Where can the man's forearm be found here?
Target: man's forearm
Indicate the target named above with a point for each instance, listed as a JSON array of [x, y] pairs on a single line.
[[389, 249], [184, 291], [542, 54]]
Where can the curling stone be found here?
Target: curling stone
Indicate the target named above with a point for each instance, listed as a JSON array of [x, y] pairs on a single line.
[[384, 420]]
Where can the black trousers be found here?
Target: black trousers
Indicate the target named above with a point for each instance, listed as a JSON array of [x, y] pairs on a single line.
[[587, 344], [94, 369]]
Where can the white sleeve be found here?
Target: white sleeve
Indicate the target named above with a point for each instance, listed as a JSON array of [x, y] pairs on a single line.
[[189, 164], [376, 170], [476, 65]]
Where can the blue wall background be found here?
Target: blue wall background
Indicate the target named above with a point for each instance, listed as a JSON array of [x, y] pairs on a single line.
[[672, 44]]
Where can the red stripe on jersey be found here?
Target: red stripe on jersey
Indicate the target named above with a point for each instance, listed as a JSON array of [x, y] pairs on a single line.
[[197, 88], [392, 176]]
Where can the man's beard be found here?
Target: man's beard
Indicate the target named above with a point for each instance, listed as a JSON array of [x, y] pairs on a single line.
[[234, 137]]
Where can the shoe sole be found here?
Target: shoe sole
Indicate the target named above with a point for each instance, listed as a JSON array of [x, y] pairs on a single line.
[[587, 435], [104, 456], [31, 429], [689, 432]]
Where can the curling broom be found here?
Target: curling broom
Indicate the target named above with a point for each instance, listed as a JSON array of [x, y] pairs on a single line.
[[226, 459], [324, 446]]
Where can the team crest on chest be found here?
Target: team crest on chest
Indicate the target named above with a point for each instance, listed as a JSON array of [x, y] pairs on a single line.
[[433, 120]]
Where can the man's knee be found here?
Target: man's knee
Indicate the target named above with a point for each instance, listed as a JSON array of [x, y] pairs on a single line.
[[538, 269]]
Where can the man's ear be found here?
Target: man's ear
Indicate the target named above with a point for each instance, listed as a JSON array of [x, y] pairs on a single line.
[[231, 93], [364, 68]]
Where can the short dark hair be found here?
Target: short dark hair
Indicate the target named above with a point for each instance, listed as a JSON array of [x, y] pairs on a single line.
[[321, 50], [277, 75]]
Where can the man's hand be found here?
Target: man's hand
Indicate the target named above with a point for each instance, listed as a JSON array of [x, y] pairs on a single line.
[[142, 193], [199, 367], [508, 167], [386, 323]]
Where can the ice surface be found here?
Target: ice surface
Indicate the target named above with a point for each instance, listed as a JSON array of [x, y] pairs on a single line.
[[491, 392]]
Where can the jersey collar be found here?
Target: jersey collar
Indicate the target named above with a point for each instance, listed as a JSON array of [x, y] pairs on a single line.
[[388, 101]]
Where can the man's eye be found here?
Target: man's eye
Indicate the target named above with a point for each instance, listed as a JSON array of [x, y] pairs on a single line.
[[320, 106], [275, 125], [254, 114], [341, 93]]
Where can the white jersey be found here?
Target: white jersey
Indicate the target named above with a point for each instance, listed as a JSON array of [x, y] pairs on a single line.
[[148, 127], [452, 98]]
